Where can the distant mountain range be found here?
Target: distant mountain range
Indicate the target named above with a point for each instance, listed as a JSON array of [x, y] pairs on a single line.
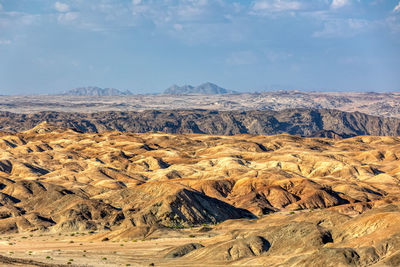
[[204, 89], [96, 91]]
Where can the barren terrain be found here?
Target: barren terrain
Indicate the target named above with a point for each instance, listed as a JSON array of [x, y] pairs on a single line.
[[302, 122], [377, 104], [130, 199]]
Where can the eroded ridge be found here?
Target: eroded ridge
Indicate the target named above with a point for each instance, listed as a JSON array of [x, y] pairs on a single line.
[[244, 199]]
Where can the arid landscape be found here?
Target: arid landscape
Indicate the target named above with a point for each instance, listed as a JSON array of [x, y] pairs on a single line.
[[156, 199], [377, 104], [200, 133], [301, 122]]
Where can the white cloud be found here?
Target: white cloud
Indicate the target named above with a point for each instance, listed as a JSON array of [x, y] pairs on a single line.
[[142, 9], [68, 17], [343, 28], [1, 7], [61, 7], [5, 42], [397, 8], [261, 6], [16, 19], [178, 27], [169, 12], [393, 23], [339, 3]]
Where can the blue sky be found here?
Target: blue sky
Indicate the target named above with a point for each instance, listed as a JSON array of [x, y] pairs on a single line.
[[145, 46]]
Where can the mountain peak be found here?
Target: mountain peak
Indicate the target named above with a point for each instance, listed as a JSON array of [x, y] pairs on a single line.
[[206, 88], [96, 91]]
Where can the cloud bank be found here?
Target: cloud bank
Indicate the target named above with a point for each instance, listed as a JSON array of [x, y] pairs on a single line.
[[61, 7]]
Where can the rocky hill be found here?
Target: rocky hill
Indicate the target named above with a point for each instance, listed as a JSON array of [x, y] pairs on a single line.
[[303, 122], [95, 91], [203, 89]]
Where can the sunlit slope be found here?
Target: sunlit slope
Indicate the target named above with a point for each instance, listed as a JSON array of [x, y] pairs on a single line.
[[55, 178]]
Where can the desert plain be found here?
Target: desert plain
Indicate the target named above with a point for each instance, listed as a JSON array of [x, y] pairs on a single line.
[[384, 104]]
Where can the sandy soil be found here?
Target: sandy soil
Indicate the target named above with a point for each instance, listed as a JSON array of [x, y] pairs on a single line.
[[79, 251]]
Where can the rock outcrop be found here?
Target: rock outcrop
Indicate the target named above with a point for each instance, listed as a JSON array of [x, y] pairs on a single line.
[[303, 122]]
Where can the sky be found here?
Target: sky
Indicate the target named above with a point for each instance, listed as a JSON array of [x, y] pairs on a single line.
[[146, 46]]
